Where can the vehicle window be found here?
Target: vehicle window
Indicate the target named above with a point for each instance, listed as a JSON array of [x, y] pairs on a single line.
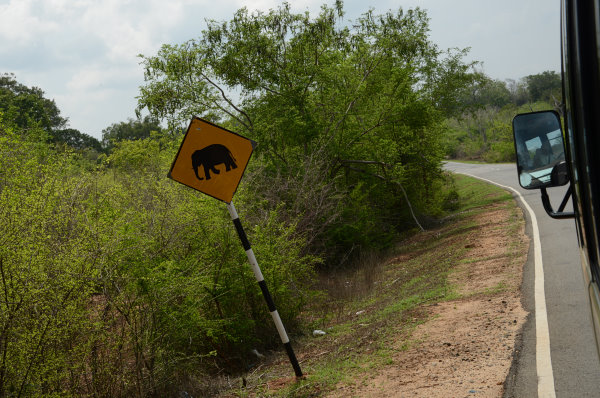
[[532, 146], [555, 138]]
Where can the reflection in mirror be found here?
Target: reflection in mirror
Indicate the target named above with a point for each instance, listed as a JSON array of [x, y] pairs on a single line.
[[539, 147]]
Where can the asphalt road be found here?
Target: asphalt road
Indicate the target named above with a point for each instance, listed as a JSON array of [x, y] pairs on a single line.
[[574, 358]]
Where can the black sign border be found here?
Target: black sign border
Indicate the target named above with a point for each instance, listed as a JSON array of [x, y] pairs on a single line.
[[252, 142]]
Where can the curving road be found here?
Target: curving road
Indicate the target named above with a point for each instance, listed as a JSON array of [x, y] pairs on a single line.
[[569, 365]]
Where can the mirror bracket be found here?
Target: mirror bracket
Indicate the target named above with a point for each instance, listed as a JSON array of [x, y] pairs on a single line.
[[560, 214]]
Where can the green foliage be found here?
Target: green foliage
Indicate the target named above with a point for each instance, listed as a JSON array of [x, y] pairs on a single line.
[[119, 282], [518, 91], [483, 128], [76, 139], [41, 300], [484, 92], [27, 109], [545, 86], [129, 130], [360, 223], [337, 106], [482, 134]]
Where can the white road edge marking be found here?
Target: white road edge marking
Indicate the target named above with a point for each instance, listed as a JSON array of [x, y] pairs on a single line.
[[542, 333]]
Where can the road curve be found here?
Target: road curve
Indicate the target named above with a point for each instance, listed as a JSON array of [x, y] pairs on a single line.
[[573, 357]]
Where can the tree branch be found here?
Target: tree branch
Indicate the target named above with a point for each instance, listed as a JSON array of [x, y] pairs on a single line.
[[222, 108], [251, 127], [270, 90], [393, 182], [365, 162], [351, 104]]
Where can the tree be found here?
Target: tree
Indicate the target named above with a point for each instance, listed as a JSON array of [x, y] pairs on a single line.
[[129, 130], [76, 139], [518, 91], [26, 107], [362, 104], [493, 93], [545, 86], [321, 75], [483, 91]]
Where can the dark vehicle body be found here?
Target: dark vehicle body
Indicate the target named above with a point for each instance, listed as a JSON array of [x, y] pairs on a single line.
[[580, 166], [581, 87]]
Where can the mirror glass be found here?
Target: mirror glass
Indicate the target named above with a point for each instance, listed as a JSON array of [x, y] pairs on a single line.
[[539, 146]]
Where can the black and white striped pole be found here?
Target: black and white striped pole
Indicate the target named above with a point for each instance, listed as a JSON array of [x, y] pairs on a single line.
[[263, 287]]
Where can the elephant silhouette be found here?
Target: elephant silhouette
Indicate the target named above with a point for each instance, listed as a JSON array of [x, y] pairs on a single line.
[[211, 156]]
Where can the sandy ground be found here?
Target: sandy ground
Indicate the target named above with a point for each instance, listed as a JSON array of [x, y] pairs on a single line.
[[466, 348]]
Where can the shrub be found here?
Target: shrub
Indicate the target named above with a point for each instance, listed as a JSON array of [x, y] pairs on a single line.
[[119, 282]]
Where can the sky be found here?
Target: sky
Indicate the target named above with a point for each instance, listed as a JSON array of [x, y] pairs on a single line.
[[84, 53]]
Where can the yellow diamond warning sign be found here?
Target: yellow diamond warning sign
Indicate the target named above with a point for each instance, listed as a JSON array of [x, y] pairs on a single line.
[[211, 159]]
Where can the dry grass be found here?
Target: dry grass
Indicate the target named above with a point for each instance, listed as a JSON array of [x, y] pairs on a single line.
[[371, 312]]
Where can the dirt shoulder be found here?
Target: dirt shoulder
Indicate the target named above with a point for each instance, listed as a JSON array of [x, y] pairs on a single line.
[[438, 317], [466, 347]]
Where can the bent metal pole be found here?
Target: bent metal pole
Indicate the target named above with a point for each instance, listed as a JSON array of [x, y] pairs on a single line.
[[263, 287]]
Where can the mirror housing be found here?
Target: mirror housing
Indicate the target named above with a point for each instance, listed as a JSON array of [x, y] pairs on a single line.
[[560, 174], [540, 150]]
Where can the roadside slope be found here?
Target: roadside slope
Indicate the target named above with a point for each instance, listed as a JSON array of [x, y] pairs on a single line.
[[466, 346], [439, 317]]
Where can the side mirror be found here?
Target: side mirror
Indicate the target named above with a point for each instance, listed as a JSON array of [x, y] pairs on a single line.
[[540, 150]]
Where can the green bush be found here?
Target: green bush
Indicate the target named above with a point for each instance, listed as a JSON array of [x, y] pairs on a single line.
[[117, 281], [503, 151], [485, 133]]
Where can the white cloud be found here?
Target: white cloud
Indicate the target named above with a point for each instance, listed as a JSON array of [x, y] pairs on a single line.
[[97, 76], [129, 28], [265, 5], [83, 53], [19, 25]]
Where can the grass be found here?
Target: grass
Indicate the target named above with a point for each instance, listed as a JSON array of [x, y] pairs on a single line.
[[370, 312], [469, 161], [475, 194]]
